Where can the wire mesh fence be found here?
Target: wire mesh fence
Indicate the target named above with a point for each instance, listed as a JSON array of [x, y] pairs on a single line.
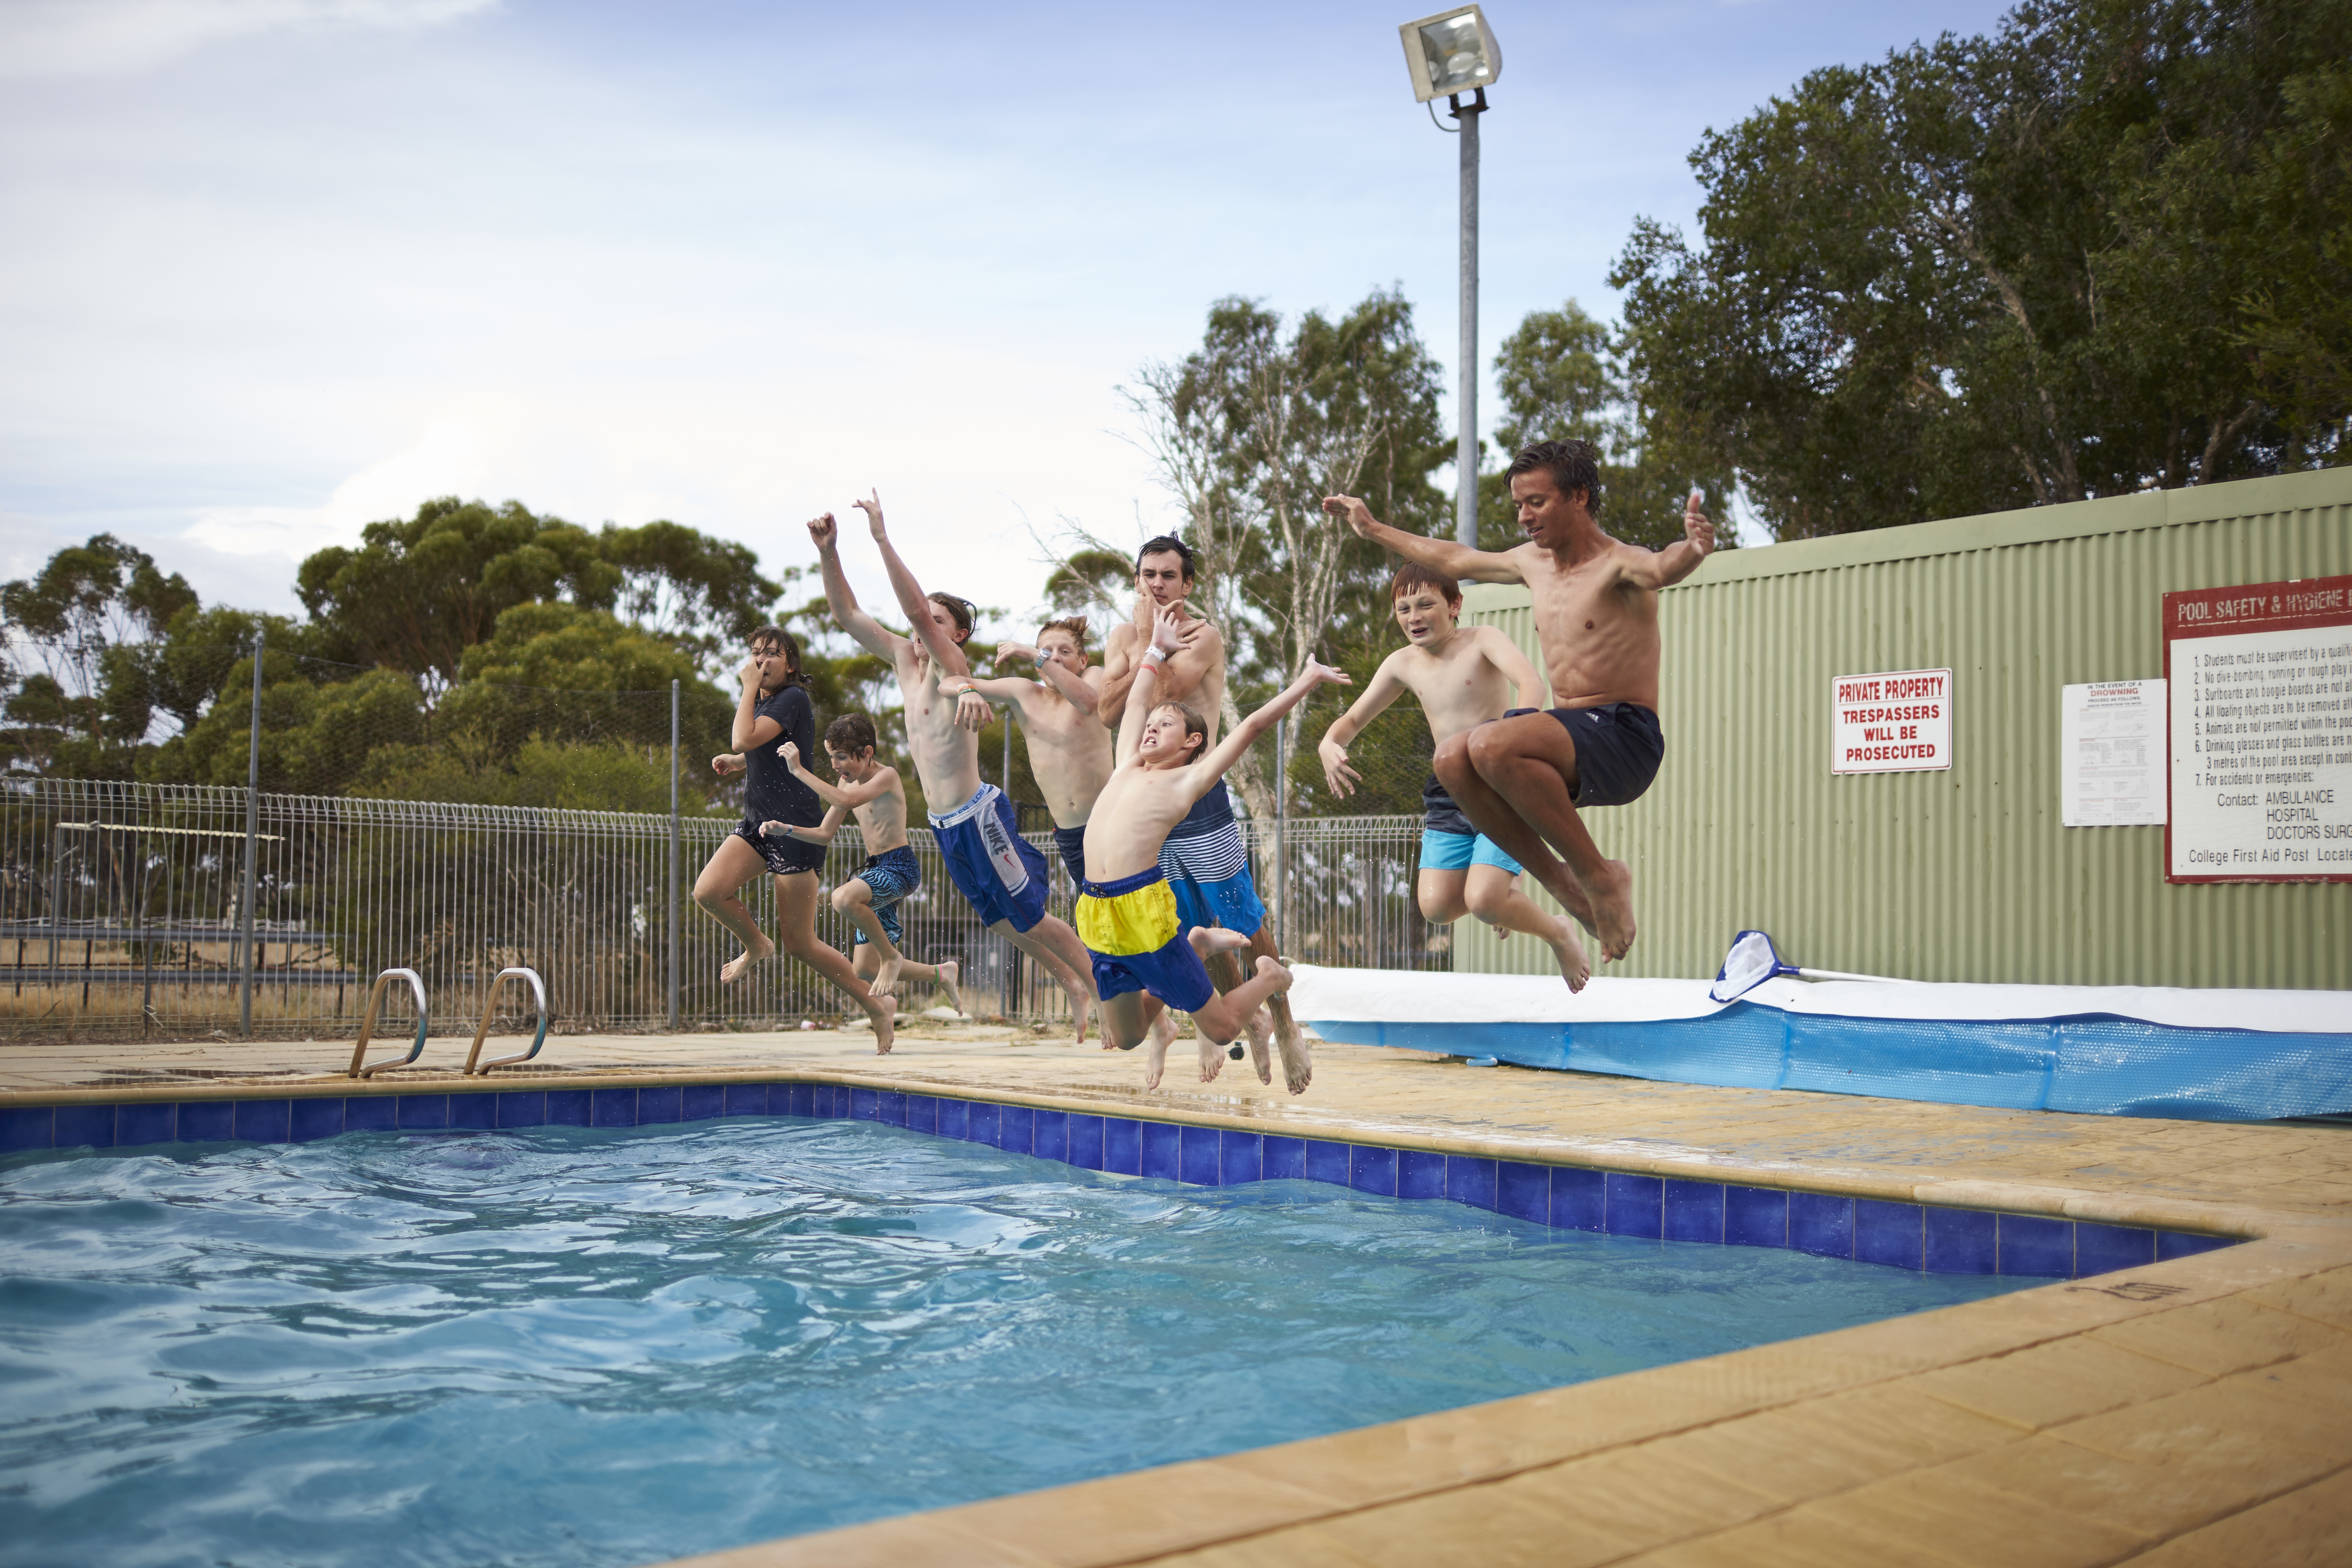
[[122, 912]]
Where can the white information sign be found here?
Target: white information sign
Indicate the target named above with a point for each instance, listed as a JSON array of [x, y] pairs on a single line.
[[2110, 755], [2260, 720], [1899, 723]]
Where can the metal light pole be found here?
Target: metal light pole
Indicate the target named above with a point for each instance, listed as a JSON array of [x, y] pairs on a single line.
[[670, 936], [252, 814]]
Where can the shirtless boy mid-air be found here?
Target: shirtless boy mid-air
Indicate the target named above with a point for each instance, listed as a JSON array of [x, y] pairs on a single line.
[[1525, 779], [1069, 751], [1464, 675], [1000, 874], [1144, 959]]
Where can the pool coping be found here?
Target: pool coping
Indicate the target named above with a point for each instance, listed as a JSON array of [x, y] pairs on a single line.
[[1400, 1478]]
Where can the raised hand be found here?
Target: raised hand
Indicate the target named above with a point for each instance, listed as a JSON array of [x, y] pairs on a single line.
[[1167, 630], [1323, 675], [823, 531], [1351, 512], [973, 712], [1339, 777], [872, 508], [792, 755], [1696, 527], [1017, 653], [753, 673]]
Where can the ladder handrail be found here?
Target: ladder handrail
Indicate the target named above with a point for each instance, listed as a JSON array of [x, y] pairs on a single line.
[[490, 1006], [360, 1067]]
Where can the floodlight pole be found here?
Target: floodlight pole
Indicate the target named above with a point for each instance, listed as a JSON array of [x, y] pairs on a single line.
[[1465, 459]]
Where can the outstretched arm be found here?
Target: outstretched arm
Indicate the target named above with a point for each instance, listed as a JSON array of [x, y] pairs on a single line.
[[1214, 766], [1082, 690], [1457, 560], [844, 795], [1385, 689], [821, 834], [943, 649], [870, 634], [1680, 559]]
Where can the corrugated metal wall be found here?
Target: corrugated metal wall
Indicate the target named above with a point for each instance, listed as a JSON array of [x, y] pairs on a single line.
[[1967, 874]]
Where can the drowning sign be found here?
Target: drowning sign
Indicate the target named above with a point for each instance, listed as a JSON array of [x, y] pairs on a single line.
[[1893, 723]]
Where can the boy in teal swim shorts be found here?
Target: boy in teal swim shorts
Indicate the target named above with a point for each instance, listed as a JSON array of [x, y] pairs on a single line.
[[1464, 675], [1144, 963]]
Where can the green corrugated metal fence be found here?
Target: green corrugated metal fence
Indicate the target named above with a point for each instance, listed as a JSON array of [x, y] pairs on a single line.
[[1965, 874]]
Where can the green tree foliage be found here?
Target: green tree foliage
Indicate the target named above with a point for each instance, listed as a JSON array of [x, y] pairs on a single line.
[[76, 701], [2101, 250]]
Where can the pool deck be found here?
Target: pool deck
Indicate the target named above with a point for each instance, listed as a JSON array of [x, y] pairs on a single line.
[[2190, 1414]]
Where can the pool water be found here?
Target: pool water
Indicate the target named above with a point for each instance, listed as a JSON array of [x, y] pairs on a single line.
[[576, 1346]]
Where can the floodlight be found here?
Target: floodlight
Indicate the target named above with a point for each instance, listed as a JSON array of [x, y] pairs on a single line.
[[1451, 52]]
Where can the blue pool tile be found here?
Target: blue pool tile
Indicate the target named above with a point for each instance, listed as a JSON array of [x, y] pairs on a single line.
[[1050, 1138], [1468, 1180], [258, 1120], [570, 1108], [1693, 1211], [1160, 1157], [523, 1108], [665, 1102], [371, 1113], [981, 1121], [1240, 1157], [2033, 1246], [1820, 1225], [1372, 1169], [1961, 1241], [1637, 1204], [475, 1111], [1888, 1234], [1084, 1143], [865, 1105], [1521, 1190], [922, 1113], [1285, 1159], [701, 1101], [1755, 1216], [27, 1127], [423, 1112], [316, 1119], [746, 1099], [92, 1126], [2171, 1244], [149, 1122], [955, 1119], [894, 1108], [1579, 1198], [208, 1121], [1196, 1155], [1016, 1129], [1122, 1146], [797, 1098], [821, 1101], [614, 1108], [1326, 1161], [1419, 1174], [2100, 1249]]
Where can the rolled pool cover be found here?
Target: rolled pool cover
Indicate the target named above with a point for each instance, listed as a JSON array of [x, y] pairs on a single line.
[[2109, 1050]]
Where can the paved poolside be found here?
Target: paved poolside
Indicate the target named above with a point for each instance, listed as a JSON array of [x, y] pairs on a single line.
[[2191, 1413]]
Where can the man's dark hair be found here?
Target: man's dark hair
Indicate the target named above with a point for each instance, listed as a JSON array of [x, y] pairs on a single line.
[[959, 610], [1167, 544], [1572, 466], [850, 734], [1195, 727], [791, 650]]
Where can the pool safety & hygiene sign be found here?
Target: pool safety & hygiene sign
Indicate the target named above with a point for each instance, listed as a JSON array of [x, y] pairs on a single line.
[[1897, 723], [2260, 722], [2111, 754]]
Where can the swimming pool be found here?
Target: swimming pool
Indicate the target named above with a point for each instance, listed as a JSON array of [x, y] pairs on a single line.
[[579, 1345]]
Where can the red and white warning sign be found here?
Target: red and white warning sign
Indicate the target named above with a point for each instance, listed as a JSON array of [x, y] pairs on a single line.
[[1893, 723]]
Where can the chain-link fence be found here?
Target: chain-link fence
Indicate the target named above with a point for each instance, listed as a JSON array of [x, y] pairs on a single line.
[[123, 912]]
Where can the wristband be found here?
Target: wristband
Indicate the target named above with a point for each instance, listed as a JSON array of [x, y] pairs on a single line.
[[1154, 656]]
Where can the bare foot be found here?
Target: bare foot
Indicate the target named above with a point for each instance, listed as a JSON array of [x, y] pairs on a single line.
[[1612, 911], [1213, 1055], [1210, 940], [1298, 1061], [732, 970], [1082, 1009], [949, 970], [1162, 1033], [1574, 967], [885, 1013], [885, 979], [1259, 1026], [1155, 1056]]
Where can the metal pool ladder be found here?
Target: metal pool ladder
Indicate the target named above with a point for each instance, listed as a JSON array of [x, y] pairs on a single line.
[[360, 1067], [489, 1005]]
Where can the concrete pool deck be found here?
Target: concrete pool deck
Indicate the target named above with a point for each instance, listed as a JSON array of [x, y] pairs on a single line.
[[2190, 1413]]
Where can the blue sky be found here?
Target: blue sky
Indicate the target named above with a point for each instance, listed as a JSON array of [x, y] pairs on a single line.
[[277, 267]]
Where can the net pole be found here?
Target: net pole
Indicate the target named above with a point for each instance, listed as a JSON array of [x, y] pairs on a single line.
[[671, 944], [252, 823]]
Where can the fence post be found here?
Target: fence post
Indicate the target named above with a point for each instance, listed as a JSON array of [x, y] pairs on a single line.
[[252, 821], [1281, 881], [670, 945]]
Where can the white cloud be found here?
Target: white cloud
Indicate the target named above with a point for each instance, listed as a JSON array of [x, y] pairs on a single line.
[[112, 37], [450, 459]]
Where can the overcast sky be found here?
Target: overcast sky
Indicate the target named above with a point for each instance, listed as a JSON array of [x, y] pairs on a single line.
[[275, 268]]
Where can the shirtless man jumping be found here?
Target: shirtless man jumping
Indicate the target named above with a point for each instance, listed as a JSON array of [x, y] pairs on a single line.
[[1000, 874], [1069, 752], [1525, 779]]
